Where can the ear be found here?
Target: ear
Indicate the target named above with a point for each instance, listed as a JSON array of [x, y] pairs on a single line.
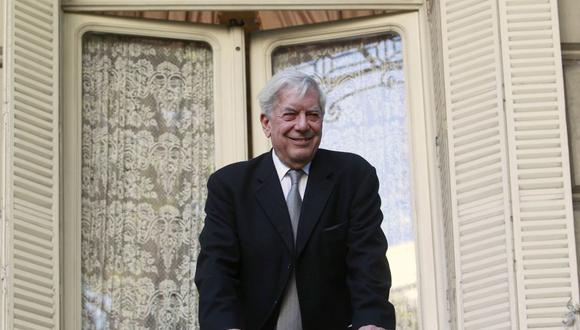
[[266, 125]]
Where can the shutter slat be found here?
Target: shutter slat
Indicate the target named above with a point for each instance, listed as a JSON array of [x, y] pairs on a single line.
[[20, 323], [26, 278], [31, 42], [473, 52], [34, 289], [548, 206], [33, 268], [482, 205], [477, 224], [29, 26], [483, 284], [37, 77], [25, 100], [25, 145], [31, 207], [469, 142], [480, 192], [453, 6], [482, 275], [32, 197], [484, 303], [32, 230], [35, 85], [34, 177], [31, 92], [32, 216], [33, 259], [27, 244], [33, 187], [38, 12], [33, 138], [34, 61], [477, 153], [25, 156], [464, 130], [39, 299], [32, 307], [34, 24], [36, 318], [41, 124], [471, 246]]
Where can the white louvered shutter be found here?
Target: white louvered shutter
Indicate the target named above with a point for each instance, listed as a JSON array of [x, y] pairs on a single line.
[[485, 288], [541, 194], [31, 193]]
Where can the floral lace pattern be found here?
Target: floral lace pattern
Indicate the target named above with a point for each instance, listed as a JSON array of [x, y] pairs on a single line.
[[147, 151]]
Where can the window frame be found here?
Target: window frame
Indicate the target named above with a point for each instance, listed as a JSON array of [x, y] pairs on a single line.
[[431, 183]]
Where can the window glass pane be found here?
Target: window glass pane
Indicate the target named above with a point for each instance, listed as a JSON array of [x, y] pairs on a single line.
[[147, 151], [366, 114], [571, 67]]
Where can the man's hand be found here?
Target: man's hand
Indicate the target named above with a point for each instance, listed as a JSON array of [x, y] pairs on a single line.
[[371, 327]]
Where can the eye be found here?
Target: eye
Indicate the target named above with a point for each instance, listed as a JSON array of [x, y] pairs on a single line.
[[314, 115], [289, 115]]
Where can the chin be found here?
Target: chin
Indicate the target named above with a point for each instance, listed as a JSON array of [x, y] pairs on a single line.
[[303, 157]]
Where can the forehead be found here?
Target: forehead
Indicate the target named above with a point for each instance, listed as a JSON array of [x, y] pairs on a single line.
[[296, 96]]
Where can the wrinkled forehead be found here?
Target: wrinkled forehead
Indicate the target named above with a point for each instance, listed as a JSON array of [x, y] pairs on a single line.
[[298, 91]]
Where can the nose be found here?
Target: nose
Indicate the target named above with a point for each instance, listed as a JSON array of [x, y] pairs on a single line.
[[301, 122]]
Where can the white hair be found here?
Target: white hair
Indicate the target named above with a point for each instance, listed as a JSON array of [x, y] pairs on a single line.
[[288, 79]]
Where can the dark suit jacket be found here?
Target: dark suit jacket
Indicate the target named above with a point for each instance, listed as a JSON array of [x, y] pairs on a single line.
[[247, 250]]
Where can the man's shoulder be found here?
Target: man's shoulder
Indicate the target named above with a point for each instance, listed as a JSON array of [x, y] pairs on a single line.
[[242, 168], [341, 159]]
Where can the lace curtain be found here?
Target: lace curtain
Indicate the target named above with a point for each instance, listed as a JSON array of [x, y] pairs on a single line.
[[147, 151]]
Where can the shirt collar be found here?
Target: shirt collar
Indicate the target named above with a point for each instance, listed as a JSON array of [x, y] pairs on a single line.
[[282, 169]]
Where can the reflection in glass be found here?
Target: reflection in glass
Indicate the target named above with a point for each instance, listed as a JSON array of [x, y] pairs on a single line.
[[366, 114], [147, 151]]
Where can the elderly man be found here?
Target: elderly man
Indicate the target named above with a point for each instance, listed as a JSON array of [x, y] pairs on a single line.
[[292, 238]]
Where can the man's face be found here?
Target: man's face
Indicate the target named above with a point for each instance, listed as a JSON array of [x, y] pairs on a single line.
[[294, 126]]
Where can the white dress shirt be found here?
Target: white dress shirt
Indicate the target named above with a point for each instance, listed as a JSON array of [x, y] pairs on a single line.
[[282, 171]]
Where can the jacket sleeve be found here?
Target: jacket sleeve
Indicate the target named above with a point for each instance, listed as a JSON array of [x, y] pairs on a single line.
[[369, 276], [217, 272]]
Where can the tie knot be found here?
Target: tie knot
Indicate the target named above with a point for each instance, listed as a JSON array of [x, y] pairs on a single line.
[[295, 176]]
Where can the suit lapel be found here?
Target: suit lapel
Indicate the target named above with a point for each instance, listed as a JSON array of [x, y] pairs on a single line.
[[318, 189], [271, 199]]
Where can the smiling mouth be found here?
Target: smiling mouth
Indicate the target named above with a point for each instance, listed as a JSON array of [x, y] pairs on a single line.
[[302, 139]]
